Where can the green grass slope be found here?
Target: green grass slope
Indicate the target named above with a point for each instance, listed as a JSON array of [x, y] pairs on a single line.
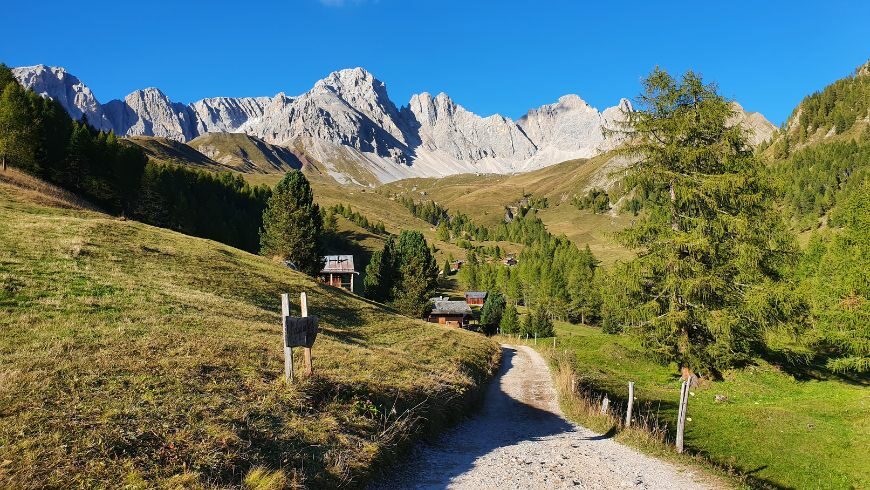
[[790, 430], [171, 151], [484, 198], [135, 356], [245, 153]]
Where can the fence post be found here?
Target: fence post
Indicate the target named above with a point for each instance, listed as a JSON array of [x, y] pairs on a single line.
[[288, 351], [630, 403], [681, 416], [605, 404], [554, 342], [536, 338], [306, 352]]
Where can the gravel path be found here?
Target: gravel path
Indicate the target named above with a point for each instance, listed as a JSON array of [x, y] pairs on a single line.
[[520, 439]]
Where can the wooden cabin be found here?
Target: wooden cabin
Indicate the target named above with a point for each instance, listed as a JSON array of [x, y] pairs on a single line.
[[451, 313], [456, 265], [338, 271], [509, 261], [475, 297]]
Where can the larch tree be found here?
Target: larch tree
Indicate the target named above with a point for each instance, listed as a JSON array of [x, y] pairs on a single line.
[[710, 246], [16, 135], [293, 225]]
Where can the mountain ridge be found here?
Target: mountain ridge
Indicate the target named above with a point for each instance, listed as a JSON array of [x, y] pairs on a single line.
[[348, 119]]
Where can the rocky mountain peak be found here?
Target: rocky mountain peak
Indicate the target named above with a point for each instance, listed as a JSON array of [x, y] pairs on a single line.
[[347, 118], [73, 95]]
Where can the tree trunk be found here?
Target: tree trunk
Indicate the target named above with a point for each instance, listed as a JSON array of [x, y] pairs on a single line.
[[689, 375], [674, 223]]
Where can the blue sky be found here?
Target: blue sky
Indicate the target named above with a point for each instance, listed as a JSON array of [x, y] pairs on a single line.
[[491, 56]]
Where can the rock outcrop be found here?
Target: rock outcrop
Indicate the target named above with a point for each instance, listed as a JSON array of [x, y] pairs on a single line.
[[348, 122]]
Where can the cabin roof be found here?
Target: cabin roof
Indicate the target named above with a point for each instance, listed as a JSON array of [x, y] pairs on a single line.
[[475, 294], [451, 308], [336, 264]]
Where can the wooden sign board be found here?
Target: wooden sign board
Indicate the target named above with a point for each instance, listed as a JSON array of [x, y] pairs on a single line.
[[300, 331]]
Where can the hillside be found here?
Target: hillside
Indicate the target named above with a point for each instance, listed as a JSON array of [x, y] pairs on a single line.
[[838, 112], [133, 355], [245, 153], [170, 151], [821, 156], [485, 197]]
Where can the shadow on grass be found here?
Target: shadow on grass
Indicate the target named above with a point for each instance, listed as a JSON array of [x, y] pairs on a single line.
[[814, 370]]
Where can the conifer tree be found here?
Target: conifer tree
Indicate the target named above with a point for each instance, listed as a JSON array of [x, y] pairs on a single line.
[[710, 242], [510, 322], [417, 274], [381, 272], [16, 135], [293, 225], [837, 282], [493, 310], [527, 327], [443, 231]]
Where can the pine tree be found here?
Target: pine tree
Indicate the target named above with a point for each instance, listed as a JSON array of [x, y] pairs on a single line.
[[527, 327], [542, 325], [493, 310], [381, 272], [443, 231], [293, 225], [510, 322], [417, 274], [711, 242], [16, 135], [446, 270], [836, 267]]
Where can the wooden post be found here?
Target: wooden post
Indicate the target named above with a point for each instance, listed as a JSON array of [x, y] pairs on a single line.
[[605, 404], [554, 342], [573, 383], [681, 416], [288, 351], [306, 353], [536, 338], [630, 403]]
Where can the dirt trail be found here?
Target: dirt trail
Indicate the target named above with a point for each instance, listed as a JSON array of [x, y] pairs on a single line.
[[520, 439]]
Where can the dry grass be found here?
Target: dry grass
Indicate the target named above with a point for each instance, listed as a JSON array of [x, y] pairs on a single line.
[[139, 357], [40, 192]]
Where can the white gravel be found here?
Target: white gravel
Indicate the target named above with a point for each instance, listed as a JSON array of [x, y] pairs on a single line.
[[519, 439]]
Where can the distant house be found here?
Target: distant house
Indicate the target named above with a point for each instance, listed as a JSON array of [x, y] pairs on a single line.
[[338, 271], [451, 313], [455, 265], [475, 297], [439, 298], [509, 261]]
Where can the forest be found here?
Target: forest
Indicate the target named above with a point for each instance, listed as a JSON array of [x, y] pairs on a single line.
[[719, 278], [39, 137]]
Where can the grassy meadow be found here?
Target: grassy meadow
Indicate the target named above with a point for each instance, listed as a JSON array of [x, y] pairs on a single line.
[[132, 356], [773, 428]]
